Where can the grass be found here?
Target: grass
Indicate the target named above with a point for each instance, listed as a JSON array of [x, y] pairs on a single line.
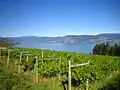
[[13, 81], [112, 82]]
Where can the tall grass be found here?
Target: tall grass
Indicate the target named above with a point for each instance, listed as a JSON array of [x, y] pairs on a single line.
[[13, 81], [112, 82]]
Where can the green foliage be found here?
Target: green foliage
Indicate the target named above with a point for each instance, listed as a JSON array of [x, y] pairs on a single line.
[[13, 81], [98, 69], [112, 82], [106, 49], [115, 50]]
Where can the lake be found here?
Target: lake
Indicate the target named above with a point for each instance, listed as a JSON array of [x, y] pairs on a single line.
[[85, 47]]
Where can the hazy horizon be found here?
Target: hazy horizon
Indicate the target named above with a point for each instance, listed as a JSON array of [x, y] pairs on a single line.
[[52, 18], [60, 36]]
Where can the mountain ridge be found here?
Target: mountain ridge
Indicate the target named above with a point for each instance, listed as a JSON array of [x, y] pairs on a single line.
[[104, 37], [7, 42]]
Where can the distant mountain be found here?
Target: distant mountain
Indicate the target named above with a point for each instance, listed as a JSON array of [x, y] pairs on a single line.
[[78, 38], [108, 38], [70, 38], [109, 35], [6, 42]]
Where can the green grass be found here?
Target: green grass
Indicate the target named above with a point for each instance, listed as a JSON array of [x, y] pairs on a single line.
[[13, 81], [112, 82]]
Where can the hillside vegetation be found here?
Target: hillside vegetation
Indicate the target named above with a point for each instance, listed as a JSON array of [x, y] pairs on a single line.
[[11, 81], [112, 82], [99, 67]]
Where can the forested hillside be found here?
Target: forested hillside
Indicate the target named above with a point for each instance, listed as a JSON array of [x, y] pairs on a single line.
[[107, 49], [6, 42]]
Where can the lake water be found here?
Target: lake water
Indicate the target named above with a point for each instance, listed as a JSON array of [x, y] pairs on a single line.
[[86, 47]]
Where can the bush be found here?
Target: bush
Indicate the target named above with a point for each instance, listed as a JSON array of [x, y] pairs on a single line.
[[12, 81], [112, 82]]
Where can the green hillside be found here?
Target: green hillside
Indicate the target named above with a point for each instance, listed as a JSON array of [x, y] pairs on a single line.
[[99, 67]]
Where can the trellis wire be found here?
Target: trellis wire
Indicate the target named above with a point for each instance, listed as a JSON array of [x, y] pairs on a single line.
[[8, 56], [69, 72], [22, 54], [45, 59]]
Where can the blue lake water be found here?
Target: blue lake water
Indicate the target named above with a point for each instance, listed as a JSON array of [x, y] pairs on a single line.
[[86, 47]]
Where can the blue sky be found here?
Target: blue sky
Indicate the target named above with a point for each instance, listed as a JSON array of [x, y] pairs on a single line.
[[58, 17]]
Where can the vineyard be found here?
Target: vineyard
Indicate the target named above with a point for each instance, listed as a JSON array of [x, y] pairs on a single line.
[[55, 64]]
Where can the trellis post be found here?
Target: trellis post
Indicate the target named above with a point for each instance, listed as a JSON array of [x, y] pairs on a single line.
[[22, 54], [42, 54], [69, 75], [69, 72], [27, 56], [36, 69], [59, 68], [19, 63], [5, 49], [0, 54], [36, 65], [8, 58], [87, 84]]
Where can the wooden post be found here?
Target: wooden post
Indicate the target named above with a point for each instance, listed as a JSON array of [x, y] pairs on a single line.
[[69, 72], [19, 63], [42, 54], [87, 84], [69, 75], [15, 63], [36, 70], [59, 68], [34, 67], [42, 57], [8, 58], [0, 54], [49, 54], [53, 83], [27, 57]]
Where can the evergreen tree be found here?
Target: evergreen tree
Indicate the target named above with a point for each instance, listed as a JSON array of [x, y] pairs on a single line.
[[96, 49], [106, 49]]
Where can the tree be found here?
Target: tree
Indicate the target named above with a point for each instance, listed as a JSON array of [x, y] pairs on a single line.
[[96, 49], [102, 49], [113, 50], [106, 49]]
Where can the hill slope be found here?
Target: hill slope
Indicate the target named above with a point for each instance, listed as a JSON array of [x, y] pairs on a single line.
[[6, 42], [71, 38]]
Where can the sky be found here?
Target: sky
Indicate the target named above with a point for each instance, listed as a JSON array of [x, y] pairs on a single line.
[[58, 17]]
